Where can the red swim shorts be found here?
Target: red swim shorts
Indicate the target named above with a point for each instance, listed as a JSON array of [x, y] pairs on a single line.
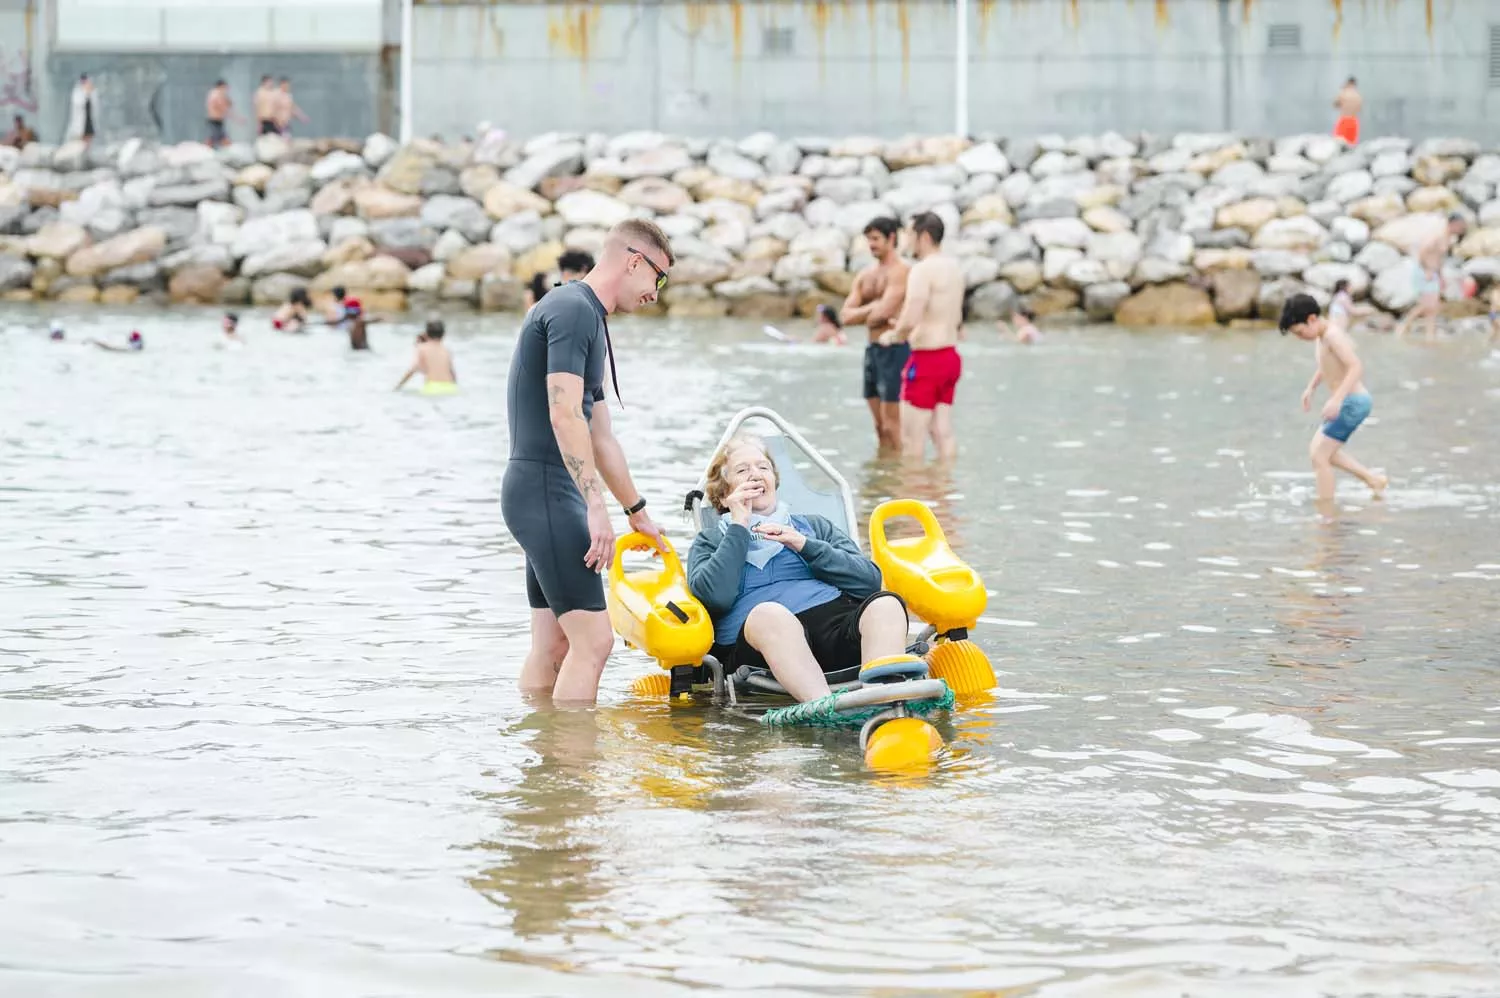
[[1347, 129], [930, 377]]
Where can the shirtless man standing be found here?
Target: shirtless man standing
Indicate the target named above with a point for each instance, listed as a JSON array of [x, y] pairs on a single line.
[[931, 322], [875, 301], [218, 107], [1349, 104], [287, 109], [1428, 277], [266, 98]]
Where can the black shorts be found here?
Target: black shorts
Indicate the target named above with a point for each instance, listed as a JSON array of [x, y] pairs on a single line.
[[883, 367], [268, 127], [215, 131], [832, 631], [543, 510]]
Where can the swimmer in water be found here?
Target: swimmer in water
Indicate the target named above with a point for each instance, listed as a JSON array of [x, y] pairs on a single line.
[[134, 344], [231, 326], [55, 330], [1495, 314], [1024, 328], [433, 362], [1341, 309], [1348, 405], [829, 329], [573, 265], [354, 321], [291, 317]]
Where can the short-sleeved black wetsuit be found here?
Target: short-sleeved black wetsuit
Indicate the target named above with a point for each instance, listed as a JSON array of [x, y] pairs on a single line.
[[542, 507]]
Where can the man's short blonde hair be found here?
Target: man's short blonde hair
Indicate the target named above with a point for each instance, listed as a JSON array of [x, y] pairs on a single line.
[[635, 231]]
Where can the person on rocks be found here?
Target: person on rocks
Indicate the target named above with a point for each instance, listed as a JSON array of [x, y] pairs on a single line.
[[286, 108], [267, 97], [1348, 405], [1427, 277], [83, 117], [1341, 308], [219, 106], [931, 321], [875, 302], [564, 454], [1349, 104], [20, 135]]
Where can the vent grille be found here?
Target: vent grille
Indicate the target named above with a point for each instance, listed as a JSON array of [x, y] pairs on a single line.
[[1284, 38], [1495, 55], [778, 41]]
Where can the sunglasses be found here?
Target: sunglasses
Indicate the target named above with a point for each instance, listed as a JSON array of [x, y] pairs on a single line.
[[661, 275]]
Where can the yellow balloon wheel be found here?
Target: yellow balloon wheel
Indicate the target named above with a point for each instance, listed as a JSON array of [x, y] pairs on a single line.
[[652, 684], [962, 665], [902, 745]]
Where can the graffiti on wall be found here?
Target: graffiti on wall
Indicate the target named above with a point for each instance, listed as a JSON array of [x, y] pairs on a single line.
[[16, 93]]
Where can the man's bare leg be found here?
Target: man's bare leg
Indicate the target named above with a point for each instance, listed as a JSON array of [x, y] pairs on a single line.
[[943, 439], [890, 425], [882, 629], [777, 634], [1345, 461], [590, 640], [1432, 318], [549, 646], [916, 426], [874, 404]]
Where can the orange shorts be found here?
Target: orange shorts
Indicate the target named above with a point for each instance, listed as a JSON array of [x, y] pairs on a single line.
[[1347, 129]]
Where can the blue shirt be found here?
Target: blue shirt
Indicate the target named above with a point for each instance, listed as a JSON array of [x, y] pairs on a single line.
[[786, 579]]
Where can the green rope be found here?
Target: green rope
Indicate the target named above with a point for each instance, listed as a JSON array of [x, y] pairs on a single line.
[[824, 712]]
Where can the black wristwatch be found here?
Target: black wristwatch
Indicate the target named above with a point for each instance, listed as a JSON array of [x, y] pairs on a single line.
[[639, 505]]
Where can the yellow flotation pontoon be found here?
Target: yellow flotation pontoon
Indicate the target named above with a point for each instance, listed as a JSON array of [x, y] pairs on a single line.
[[653, 610]]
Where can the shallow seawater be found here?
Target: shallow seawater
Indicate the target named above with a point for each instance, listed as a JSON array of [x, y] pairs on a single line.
[[259, 730]]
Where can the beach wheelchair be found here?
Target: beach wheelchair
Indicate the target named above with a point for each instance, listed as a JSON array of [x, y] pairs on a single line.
[[888, 701]]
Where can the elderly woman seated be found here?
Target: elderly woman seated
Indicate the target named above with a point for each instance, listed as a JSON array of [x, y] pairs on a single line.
[[788, 592]]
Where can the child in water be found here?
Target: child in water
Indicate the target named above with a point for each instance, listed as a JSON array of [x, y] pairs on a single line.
[[1024, 330], [292, 316], [55, 330], [433, 362], [231, 327], [1341, 309], [354, 321], [829, 329], [134, 344], [1349, 402], [1495, 314]]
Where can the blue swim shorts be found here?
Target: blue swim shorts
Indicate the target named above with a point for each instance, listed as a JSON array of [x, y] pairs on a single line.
[[1355, 410]]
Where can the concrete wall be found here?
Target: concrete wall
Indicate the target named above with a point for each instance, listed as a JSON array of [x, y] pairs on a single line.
[[154, 60], [886, 66], [730, 67]]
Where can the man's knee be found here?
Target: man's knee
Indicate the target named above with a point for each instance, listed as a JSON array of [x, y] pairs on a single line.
[[587, 634]]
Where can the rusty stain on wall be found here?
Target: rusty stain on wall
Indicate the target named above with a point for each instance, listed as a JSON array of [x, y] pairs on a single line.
[[1338, 17], [1245, 10], [572, 29], [1073, 13], [903, 24], [1162, 19]]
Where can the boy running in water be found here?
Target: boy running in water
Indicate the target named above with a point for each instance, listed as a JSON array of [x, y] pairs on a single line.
[[1349, 401]]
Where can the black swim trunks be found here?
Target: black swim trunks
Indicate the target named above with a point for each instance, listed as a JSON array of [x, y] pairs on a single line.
[[541, 504], [832, 631], [216, 134], [883, 366], [269, 127]]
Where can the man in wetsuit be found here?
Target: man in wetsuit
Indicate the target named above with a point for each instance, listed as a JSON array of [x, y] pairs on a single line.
[[563, 454], [875, 301], [931, 321]]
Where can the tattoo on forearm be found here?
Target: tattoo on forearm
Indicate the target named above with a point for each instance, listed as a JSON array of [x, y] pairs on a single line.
[[554, 394], [587, 484]]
